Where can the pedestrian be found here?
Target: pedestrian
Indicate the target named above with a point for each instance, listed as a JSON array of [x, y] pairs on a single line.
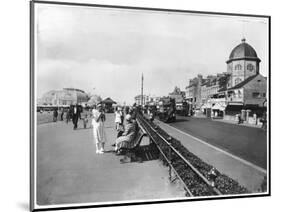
[[85, 121], [75, 116], [68, 115], [264, 121], [122, 116], [240, 121], [98, 129], [129, 133], [132, 112], [118, 118], [150, 115], [61, 115], [55, 115]]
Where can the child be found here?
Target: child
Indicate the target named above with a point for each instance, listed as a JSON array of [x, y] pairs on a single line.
[[85, 121], [118, 119]]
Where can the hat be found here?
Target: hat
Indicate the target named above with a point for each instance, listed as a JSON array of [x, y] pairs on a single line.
[[128, 117]]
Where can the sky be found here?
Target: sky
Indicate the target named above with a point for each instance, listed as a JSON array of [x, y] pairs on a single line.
[[105, 51]]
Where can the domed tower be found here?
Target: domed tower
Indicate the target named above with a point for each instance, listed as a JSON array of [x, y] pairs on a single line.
[[243, 62]]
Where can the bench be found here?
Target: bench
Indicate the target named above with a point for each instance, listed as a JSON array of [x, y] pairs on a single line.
[[135, 143], [129, 148]]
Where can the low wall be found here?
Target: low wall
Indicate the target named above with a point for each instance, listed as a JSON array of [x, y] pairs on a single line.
[[251, 120], [230, 118]]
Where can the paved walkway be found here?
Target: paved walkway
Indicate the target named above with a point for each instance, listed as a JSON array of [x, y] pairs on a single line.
[[246, 173], [69, 171]]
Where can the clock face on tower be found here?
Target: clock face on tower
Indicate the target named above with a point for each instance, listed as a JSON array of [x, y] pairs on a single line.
[[250, 67]]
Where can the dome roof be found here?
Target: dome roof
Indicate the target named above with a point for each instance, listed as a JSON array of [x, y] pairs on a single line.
[[71, 95], [243, 51]]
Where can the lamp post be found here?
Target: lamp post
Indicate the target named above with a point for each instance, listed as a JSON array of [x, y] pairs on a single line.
[[142, 89]]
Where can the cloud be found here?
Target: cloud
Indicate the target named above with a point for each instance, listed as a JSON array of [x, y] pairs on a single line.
[[108, 49]]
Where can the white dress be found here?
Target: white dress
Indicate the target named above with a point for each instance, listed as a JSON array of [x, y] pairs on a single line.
[[118, 117], [98, 128]]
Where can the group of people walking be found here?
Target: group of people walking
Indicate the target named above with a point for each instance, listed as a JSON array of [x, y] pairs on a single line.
[[125, 124], [72, 113]]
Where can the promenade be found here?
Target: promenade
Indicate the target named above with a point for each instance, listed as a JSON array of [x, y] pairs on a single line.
[[69, 171]]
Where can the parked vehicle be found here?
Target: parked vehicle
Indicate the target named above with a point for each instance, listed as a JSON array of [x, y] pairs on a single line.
[[182, 108], [167, 109]]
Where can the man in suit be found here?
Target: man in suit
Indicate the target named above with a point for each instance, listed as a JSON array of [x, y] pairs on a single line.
[[55, 115], [76, 114]]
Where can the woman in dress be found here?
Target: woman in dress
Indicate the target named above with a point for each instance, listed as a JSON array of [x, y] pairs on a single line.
[[119, 121], [98, 128]]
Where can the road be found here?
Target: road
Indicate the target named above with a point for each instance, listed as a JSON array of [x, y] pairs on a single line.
[[69, 171], [223, 153], [248, 143]]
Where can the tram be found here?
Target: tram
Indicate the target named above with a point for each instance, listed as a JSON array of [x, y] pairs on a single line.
[[167, 109], [182, 108]]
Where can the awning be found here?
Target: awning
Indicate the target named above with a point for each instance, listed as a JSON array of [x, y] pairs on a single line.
[[219, 106], [206, 105], [235, 103]]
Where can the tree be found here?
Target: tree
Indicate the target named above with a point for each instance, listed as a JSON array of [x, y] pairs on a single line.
[[94, 99], [224, 80]]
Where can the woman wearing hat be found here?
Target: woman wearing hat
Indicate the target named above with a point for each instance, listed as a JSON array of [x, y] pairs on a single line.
[[129, 133], [98, 128]]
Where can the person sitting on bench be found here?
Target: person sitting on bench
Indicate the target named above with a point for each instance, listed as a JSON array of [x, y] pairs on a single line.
[[129, 134]]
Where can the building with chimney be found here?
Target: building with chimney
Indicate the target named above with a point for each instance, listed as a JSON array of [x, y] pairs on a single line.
[[193, 91]]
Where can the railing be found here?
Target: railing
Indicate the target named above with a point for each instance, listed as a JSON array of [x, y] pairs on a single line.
[[194, 182]]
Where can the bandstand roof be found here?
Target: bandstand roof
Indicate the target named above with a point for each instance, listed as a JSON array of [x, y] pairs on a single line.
[[108, 101]]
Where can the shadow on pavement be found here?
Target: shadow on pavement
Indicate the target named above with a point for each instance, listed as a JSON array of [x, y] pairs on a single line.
[[142, 154], [83, 128], [181, 120], [109, 151]]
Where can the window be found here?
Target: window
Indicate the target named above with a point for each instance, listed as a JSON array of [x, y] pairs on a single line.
[[239, 94], [256, 95], [238, 67], [237, 80], [250, 67]]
